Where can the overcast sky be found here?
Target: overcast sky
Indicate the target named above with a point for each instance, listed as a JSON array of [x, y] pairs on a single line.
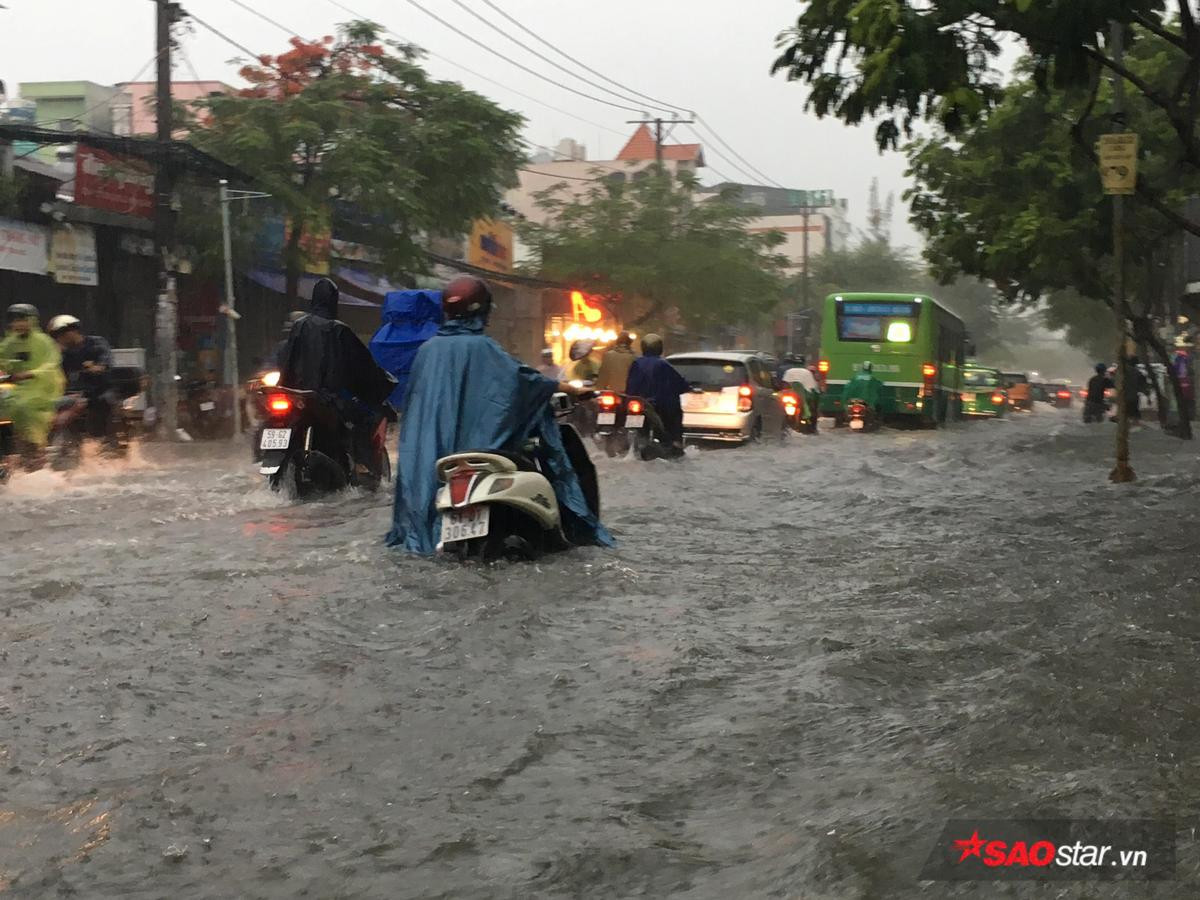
[[713, 56]]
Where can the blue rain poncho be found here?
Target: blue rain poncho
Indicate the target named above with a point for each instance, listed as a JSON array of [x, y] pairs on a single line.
[[466, 393], [410, 318]]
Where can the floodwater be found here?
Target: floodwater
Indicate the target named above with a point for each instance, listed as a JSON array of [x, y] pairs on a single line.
[[801, 660]]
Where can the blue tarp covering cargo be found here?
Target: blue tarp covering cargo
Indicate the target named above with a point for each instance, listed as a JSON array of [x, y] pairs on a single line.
[[410, 318]]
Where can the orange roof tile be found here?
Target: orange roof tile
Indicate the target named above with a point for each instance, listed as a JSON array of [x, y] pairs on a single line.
[[641, 146]]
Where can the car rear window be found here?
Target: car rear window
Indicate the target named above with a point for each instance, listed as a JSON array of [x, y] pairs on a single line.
[[711, 374], [977, 378]]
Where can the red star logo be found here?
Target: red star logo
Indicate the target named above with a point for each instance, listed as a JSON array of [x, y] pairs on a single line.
[[971, 846]]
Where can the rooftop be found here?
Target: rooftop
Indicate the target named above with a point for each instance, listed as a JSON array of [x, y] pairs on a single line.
[[641, 146]]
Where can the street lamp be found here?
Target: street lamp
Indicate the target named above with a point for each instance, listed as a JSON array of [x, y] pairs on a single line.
[[229, 309]]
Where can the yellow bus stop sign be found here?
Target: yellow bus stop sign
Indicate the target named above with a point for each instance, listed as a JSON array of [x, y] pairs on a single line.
[[1118, 162]]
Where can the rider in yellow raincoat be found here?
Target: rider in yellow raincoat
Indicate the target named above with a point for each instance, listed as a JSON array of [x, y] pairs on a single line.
[[32, 360]]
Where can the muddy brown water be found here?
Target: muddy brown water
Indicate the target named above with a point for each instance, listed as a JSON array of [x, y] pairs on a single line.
[[801, 660]]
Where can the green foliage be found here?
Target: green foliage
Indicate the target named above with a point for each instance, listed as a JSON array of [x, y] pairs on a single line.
[[651, 242], [12, 190], [353, 121], [1017, 199], [906, 61]]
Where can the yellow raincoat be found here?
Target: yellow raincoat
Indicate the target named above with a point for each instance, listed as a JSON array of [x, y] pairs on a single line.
[[30, 404]]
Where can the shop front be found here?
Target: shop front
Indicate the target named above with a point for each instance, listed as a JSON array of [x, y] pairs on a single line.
[[575, 316]]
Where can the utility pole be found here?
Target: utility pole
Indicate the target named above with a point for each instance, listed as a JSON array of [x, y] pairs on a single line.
[[165, 320], [229, 309], [658, 136], [1122, 471]]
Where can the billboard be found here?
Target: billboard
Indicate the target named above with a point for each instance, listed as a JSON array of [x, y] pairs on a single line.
[[24, 248], [491, 246], [113, 183]]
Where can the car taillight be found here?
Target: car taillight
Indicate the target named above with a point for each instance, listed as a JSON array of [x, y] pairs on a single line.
[[607, 400], [997, 398], [279, 403], [928, 370], [745, 398], [1064, 395], [635, 407]]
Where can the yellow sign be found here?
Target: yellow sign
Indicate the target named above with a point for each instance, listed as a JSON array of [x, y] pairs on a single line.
[[491, 246], [1118, 162], [582, 311]]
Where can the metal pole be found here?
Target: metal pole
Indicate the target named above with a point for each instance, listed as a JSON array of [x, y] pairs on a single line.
[[658, 145], [1122, 471], [231, 351]]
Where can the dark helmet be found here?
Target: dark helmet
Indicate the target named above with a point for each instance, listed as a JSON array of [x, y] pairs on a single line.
[[1101, 368], [652, 345], [467, 297], [21, 311], [623, 340], [799, 359]]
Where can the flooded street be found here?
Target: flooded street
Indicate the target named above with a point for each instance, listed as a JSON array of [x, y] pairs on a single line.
[[801, 660]]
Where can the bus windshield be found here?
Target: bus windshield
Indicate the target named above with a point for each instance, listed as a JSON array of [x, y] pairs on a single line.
[[895, 323]]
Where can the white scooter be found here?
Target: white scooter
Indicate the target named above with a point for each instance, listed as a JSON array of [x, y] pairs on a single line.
[[496, 504]]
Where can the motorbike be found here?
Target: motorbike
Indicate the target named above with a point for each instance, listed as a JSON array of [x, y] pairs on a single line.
[[794, 409], [861, 417], [307, 446], [200, 411], [622, 424], [497, 504], [71, 426]]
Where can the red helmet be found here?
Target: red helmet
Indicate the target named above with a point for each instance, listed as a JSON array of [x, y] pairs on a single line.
[[466, 297]]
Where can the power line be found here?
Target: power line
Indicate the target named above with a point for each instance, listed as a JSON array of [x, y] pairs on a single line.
[[479, 75], [658, 103], [542, 56], [226, 38], [700, 121], [250, 9], [513, 62]]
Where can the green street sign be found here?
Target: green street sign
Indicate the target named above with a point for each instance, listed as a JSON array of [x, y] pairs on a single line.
[[811, 199]]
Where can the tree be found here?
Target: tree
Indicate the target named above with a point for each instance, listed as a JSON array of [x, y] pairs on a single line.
[[354, 129], [1014, 198], [935, 61], [650, 241]]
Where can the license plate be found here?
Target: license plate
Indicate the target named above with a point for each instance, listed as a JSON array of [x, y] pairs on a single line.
[[635, 421], [695, 402], [969, 398], [606, 419], [856, 424], [466, 523], [207, 406], [275, 439]]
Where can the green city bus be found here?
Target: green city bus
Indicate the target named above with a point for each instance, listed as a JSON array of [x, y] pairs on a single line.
[[916, 348]]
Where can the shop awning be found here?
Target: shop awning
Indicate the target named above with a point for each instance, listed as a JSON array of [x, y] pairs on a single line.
[[277, 282]]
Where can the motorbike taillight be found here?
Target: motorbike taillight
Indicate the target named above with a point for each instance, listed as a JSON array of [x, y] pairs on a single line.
[[460, 482], [634, 408], [279, 404]]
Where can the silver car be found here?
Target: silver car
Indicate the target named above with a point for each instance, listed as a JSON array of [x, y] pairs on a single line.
[[733, 396]]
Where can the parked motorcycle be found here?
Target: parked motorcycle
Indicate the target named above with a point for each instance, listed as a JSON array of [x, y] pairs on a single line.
[[307, 447], [497, 504]]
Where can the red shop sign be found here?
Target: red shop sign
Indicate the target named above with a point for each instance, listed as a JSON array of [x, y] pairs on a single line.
[[113, 183]]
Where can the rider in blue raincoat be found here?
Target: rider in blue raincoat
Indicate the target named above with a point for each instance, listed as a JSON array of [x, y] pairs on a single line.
[[410, 318], [466, 393]]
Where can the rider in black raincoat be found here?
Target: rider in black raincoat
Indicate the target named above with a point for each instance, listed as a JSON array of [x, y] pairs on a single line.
[[324, 355]]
